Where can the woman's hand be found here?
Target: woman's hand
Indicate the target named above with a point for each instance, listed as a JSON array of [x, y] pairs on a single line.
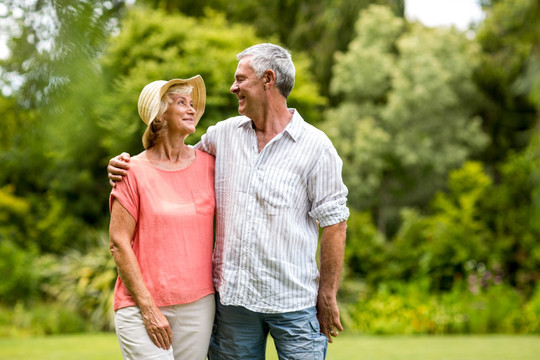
[[158, 328]]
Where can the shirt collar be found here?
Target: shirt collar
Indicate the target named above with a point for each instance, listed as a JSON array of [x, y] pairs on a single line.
[[293, 128]]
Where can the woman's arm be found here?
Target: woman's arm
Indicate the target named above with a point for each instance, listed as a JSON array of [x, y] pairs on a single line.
[[121, 230]]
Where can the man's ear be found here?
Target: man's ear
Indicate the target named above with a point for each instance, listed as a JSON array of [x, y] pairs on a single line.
[[269, 77]]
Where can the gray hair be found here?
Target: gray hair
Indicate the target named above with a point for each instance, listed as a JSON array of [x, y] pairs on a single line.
[[272, 57]]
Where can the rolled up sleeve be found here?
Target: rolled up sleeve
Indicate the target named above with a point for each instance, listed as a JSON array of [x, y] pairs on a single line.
[[327, 190]]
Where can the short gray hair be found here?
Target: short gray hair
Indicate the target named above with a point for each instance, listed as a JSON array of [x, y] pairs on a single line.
[[272, 57]]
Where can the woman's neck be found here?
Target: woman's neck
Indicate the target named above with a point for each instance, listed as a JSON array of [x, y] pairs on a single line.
[[170, 156]]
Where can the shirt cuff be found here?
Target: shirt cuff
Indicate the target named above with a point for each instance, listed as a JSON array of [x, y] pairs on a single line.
[[331, 213]]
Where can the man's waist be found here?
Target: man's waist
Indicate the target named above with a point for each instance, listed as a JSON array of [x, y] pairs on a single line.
[[267, 305]]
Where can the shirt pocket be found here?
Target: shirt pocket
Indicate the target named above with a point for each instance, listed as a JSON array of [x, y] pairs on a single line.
[[280, 190], [204, 201]]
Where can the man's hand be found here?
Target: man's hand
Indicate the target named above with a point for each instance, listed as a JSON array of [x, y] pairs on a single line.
[[117, 168], [328, 316], [332, 253]]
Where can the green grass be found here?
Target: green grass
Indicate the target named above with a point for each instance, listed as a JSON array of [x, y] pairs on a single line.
[[346, 347], [61, 347]]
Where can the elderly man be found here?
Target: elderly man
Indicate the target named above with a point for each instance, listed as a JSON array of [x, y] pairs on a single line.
[[277, 180]]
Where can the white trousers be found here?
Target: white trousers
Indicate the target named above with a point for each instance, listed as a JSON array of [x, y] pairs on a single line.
[[191, 325]]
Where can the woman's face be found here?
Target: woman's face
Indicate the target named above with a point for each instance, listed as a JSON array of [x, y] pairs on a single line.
[[180, 114]]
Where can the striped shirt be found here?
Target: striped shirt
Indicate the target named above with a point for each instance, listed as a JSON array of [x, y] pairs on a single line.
[[269, 206]]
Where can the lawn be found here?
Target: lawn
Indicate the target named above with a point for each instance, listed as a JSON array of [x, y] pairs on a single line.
[[346, 347]]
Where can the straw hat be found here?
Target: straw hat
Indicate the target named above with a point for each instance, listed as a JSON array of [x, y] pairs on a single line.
[[152, 93]]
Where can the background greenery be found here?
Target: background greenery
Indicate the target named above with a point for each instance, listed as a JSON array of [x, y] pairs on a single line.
[[437, 127]]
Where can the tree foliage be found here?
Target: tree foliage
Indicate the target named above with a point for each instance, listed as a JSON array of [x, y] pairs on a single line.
[[508, 76], [512, 210], [50, 155], [51, 43], [317, 27], [85, 282], [153, 46], [406, 116]]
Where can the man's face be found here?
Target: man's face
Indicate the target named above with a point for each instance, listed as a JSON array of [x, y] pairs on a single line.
[[248, 89]]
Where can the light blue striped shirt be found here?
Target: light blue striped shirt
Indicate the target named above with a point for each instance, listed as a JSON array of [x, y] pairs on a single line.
[[269, 207]]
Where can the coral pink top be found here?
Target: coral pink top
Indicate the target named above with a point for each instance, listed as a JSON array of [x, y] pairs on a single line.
[[174, 212]]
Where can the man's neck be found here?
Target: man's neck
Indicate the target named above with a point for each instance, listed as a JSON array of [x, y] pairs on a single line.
[[273, 120], [270, 125]]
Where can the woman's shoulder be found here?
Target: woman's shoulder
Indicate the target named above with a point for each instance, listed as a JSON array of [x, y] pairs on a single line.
[[138, 164], [204, 156], [137, 161]]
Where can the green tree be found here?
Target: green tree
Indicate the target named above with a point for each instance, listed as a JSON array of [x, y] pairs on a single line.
[[453, 240], [155, 45], [46, 37], [366, 250], [317, 27], [406, 116], [508, 75], [513, 211], [52, 157]]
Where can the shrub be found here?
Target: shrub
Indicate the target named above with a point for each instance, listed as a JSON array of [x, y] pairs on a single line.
[[40, 319], [402, 308], [531, 313], [365, 250], [85, 281], [495, 309], [20, 279]]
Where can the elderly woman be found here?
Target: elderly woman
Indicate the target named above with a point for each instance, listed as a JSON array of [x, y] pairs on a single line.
[[161, 231]]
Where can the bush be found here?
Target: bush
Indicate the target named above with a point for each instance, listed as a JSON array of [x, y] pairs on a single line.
[[365, 250], [85, 281], [496, 309], [398, 309], [40, 319], [410, 309], [20, 279], [531, 314]]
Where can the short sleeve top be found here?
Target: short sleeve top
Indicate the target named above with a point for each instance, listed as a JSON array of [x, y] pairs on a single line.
[[174, 214]]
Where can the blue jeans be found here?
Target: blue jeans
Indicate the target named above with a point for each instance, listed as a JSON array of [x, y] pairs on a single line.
[[241, 334]]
